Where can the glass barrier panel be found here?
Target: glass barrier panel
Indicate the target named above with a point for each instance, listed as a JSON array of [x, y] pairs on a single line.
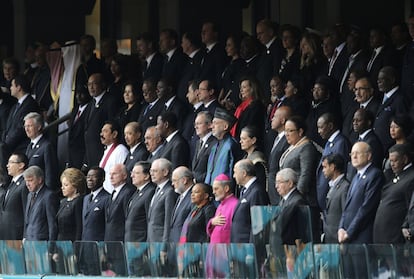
[[64, 260], [89, 262], [217, 261], [242, 259], [113, 260], [12, 257], [190, 260], [326, 257], [381, 260], [404, 254], [163, 259], [354, 260], [37, 257], [138, 260]]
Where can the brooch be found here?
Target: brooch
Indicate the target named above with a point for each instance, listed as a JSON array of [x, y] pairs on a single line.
[[395, 180]]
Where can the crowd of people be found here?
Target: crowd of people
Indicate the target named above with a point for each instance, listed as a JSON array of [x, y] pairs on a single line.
[[177, 143]]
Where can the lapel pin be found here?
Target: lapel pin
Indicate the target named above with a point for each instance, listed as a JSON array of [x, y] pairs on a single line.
[[364, 176], [395, 180], [131, 157], [331, 144], [140, 194]]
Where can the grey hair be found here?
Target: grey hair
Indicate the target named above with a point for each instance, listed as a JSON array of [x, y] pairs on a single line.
[[288, 174], [33, 171], [37, 118]]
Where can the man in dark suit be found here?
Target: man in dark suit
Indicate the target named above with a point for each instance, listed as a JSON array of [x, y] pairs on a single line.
[[183, 182], [154, 107], [76, 139], [174, 59], [333, 167], [137, 150], [167, 94], [152, 60], [336, 144], [207, 93], [393, 103], [203, 145], [251, 195], [395, 197], [364, 95], [93, 221], [408, 226], [215, 58], [279, 147], [154, 143], [41, 208], [115, 214], [188, 131], [101, 110], [14, 137], [138, 205], [13, 199], [176, 148], [162, 203], [271, 56], [407, 73], [40, 151], [115, 211], [357, 221]]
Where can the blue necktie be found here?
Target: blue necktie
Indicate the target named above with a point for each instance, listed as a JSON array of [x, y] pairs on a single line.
[[354, 185]]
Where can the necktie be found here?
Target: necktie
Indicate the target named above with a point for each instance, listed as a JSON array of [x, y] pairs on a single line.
[[242, 192], [371, 61], [200, 148], [157, 190], [332, 62], [282, 202], [147, 109], [77, 115], [113, 196], [277, 139], [384, 99], [32, 200], [354, 185], [16, 108]]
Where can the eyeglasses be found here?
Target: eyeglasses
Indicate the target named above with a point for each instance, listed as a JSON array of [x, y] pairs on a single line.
[[13, 162], [281, 181]]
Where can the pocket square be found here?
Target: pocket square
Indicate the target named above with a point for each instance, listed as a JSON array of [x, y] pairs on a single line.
[[96, 209], [243, 201], [36, 155]]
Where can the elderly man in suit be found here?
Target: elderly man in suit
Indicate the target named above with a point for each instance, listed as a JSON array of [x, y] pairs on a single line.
[[336, 143], [176, 148], [251, 195], [13, 199], [226, 152], [41, 208], [40, 151], [137, 150], [206, 141], [154, 143], [162, 203], [154, 107], [115, 214], [138, 206], [279, 147], [93, 220], [395, 197], [333, 168], [357, 221], [14, 138], [183, 182]]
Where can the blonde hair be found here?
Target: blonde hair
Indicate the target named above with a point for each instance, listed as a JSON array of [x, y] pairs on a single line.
[[76, 178]]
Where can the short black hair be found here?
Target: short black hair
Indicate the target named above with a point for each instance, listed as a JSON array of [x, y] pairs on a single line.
[[337, 160]]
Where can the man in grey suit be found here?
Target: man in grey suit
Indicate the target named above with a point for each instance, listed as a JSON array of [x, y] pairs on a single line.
[[333, 168], [137, 150], [182, 180], [138, 206], [13, 199], [41, 209], [154, 143], [162, 203]]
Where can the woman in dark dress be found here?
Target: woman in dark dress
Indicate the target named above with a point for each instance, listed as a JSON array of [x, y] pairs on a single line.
[[252, 110], [119, 70], [291, 60], [69, 216], [132, 105], [194, 228], [295, 99]]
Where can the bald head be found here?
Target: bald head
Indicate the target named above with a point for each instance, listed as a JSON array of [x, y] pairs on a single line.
[[361, 155], [118, 175], [279, 118]]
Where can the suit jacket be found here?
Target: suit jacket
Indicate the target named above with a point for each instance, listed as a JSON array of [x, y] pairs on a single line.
[[14, 136], [180, 109], [269, 63], [224, 154], [98, 114], [12, 210], [377, 150], [274, 168], [284, 226], [115, 213], [409, 223], [335, 204], [340, 145], [213, 64], [5, 108], [176, 151], [93, 216], [137, 212], [385, 58], [407, 73], [241, 231], [148, 119], [154, 69], [304, 160], [254, 115], [173, 68], [393, 208], [199, 163], [40, 222], [76, 139], [361, 205], [196, 230], [392, 106], [179, 215], [140, 154], [160, 213], [212, 107], [43, 155], [339, 67]]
